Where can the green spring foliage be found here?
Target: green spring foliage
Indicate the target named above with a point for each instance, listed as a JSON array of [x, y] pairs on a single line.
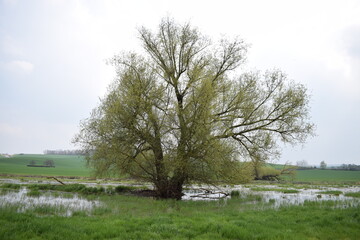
[[180, 113]]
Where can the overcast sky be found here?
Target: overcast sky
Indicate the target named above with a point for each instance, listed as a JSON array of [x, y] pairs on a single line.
[[53, 70]]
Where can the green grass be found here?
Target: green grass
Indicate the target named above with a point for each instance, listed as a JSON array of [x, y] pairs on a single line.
[[34, 193], [263, 189], [11, 185], [321, 176], [327, 176], [64, 165], [75, 166], [127, 217], [331, 192], [353, 194]]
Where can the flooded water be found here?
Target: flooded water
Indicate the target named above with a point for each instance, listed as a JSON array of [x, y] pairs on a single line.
[[197, 194], [306, 195], [270, 195], [277, 198], [60, 205], [88, 184]]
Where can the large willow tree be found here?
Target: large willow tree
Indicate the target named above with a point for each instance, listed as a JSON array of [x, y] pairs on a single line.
[[178, 113]]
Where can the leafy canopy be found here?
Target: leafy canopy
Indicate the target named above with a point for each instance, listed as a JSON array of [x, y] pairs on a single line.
[[179, 112]]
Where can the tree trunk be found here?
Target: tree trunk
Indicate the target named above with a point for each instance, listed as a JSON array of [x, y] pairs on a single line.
[[257, 173], [169, 189]]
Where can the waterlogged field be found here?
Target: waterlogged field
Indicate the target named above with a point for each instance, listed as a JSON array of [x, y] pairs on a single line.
[[326, 205], [25, 200], [64, 165], [105, 212]]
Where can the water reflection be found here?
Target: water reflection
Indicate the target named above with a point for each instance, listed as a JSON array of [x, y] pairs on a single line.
[[60, 205], [278, 198], [271, 198]]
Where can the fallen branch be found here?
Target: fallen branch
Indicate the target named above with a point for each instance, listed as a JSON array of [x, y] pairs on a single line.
[[208, 192], [57, 180]]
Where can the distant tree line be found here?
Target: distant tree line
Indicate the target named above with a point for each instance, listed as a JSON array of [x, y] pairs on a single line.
[[306, 168], [63, 152], [303, 165], [349, 167]]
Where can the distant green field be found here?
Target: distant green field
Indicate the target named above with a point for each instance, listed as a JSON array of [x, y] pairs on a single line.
[[322, 176], [75, 166], [64, 165], [317, 175]]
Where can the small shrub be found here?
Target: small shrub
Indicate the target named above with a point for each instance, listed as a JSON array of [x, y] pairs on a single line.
[[235, 193], [121, 189], [268, 173]]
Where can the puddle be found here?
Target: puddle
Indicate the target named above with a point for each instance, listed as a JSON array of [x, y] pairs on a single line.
[[280, 199], [62, 205], [88, 184], [272, 198], [276, 198], [18, 181], [199, 194]]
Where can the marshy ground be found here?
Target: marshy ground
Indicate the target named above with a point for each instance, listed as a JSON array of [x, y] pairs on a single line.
[[37, 209]]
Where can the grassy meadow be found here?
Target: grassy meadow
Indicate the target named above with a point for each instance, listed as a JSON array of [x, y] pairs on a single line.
[[75, 166], [330, 176], [64, 165], [124, 216], [131, 217], [320, 176]]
